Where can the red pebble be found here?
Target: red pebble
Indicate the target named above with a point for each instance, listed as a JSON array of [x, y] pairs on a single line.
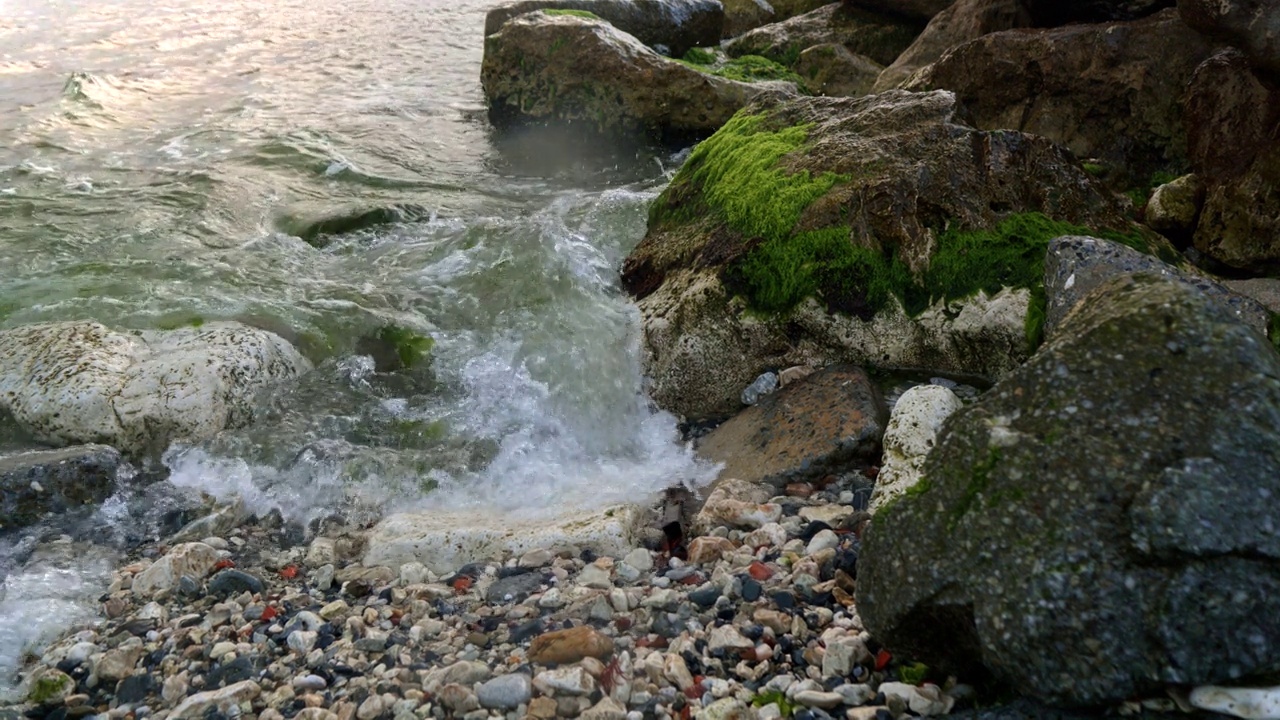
[[759, 571], [269, 613], [289, 572], [223, 564], [462, 584], [882, 660]]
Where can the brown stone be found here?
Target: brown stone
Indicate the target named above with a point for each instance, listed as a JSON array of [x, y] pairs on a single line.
[[964, 21], [816, 426], [560, 647], [742, 16], [1251, 25], [1110, 92], [543, 708], [878, 37], [709, 549], [830, 69]]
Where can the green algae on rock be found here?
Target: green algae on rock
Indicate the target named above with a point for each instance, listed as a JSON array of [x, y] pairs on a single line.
[[853, 230]]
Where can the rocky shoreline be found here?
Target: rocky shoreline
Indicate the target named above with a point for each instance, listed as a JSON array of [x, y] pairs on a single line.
[[1029, 192]]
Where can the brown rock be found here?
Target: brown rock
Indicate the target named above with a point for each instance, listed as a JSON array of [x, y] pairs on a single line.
[[560, 647], [830, 69], [543, 708], [1106, 91], [1251, 25], [741, 16], [878, 37], [1232, 117], [676, 25], [804, 431], [964, 21], [736, 503], [539, 67], [709, 549]]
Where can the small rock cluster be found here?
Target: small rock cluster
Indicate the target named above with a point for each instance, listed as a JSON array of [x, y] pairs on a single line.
[[754, 618]]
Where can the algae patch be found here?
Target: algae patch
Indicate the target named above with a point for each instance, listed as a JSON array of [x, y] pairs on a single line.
[[584, 14]]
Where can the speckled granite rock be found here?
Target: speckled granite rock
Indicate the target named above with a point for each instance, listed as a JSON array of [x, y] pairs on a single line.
[[1100, 522], [35, 483]]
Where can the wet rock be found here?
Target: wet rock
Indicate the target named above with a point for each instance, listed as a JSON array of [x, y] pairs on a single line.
[[539, 67], [444, 541], [963, 21], [33, 484], [736, 503], [572, 680], [135, 688], [830, 69], [50, 687], [913, 430], [194, 559], [514, 589], [1174, 208], [233, 582], [1241, 702], [675, 25], [1077, 514], [760, 387], [1110, 91], [317, 225], [77, 382], [1076, 266], [720, 302], [879, 37], [811, 428], [505, 691], [220, 700], [561, 647], [1251, 25]]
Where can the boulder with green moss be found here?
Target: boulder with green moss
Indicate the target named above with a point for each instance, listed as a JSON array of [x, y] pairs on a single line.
[[540, 67], [671, 25], [879, 230], [876, 36], [1108, 91], [1100, 524]]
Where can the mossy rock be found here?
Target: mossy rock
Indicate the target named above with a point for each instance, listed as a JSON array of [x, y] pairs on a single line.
[[879, 212], [395, 348], [878, 37], [50, 688]]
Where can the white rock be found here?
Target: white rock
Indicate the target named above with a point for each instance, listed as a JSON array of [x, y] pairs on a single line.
[[174, 688], [222, 699], [829, 514], [770, 534], [1249, 703], [371, 708], [606, 709], [301, 641], [926, 700], [675, 670], [573, 680], [505, 691], [220, 649], [445, 541], [842, 655], [414, 573], [640, 559], [824, 540], [910, 435], [728, 637], [819, 699], [194, 559], [859, 694], [74, 382], [322, 578], [536, 558], [310, 682], [551, 599], [596, 577]]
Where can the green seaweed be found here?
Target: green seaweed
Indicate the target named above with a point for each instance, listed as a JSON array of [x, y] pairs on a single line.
[[913, 674], [180, 320], [748, 68], [699, 56], [585, 14], [775, 697], [408, 348], [49, 687]]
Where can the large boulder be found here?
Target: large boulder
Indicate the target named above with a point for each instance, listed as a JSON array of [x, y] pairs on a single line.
[[1077, 266], [541, 67], [832, 70], [915, 9], [878, 230], [1100, 523], [1251, 25], [672, 26], [80, 382], [963, 21], [1052, 13], [741, 16], [878, 37], [1109, 91], [50, 481], [1232, 117]]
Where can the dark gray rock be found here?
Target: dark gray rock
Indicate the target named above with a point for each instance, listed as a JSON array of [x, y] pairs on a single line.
[[515, 587], [35, 483], [675, 25], [1052, 13], [1075, 266], [917, 9], [135, 688], [233, 582], [1251, 25], [1101, 522]]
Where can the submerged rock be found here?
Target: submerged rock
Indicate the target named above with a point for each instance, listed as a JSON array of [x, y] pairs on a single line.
[[822, 424], [878, 37], [35, 483], [317, 225], [1099, 523], [540, 66], [80, 382], [876, 231], [1110, 91], [673, 25]]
